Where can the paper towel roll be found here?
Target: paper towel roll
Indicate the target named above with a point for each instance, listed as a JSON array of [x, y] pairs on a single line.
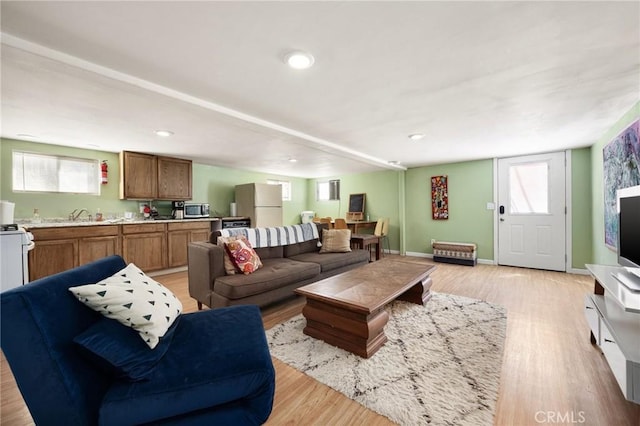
[[233, 210], [6, 212]]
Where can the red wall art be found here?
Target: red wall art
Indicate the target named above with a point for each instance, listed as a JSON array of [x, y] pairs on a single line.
[[439, 198]]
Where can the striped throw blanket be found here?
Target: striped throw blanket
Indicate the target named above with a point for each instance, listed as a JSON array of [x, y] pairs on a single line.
[[278, 236]]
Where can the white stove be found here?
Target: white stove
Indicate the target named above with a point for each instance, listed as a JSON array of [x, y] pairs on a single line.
[[15, 244]]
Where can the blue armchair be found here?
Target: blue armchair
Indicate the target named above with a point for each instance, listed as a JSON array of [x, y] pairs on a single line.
[[216, 370]]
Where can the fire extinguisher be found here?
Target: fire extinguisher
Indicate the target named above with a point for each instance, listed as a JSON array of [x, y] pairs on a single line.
[[103, 167]]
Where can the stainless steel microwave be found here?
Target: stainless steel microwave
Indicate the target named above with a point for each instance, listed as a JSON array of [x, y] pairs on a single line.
[[196, 210]]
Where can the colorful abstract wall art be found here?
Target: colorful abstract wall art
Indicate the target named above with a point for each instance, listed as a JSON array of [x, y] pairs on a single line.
[[621, 169], [439, 198]]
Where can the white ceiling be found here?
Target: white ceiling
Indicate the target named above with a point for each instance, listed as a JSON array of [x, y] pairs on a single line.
[[480, 79]]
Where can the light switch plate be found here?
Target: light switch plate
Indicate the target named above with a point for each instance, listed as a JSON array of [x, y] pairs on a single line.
[[491, 206]]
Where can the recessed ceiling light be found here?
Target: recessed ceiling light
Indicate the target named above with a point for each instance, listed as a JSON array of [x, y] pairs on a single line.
[[299, 60], [394, 162], [416, 136], [293, 160], [164, 133]]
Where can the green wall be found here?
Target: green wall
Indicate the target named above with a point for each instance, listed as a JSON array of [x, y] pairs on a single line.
[[216, 185], [404, 197], [381, 200], [56, 205], [213, 185], [601, 253], [470, 189], [581, 232]]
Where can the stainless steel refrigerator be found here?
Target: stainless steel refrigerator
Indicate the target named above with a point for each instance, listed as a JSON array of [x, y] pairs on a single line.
[[261, 202]]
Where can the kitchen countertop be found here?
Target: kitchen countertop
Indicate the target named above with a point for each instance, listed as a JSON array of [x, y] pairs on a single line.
[[61, 223]]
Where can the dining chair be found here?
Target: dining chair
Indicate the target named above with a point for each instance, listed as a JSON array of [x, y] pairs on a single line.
[[340, 223], [327, 220], [381, 230]]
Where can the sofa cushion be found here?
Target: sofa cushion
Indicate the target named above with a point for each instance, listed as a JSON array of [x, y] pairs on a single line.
[[310, 246], [119, 351], [242, 255], [275, 273], [229, 266], [336, 241], [135, 300], [269, 252], [331, 261], [217, 357]]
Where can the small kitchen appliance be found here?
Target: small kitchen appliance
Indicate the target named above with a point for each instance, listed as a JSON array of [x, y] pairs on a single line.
[[177, 209], [196, 210]]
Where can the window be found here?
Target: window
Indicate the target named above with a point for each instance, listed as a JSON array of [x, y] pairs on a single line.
[[529, 188], [286, 188], [328, 190], [50, 173]]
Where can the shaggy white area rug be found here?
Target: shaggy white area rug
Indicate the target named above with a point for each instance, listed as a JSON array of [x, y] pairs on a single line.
[[440, 366]]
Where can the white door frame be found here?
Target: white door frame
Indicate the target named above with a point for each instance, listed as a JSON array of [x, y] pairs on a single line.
[[568, 220]]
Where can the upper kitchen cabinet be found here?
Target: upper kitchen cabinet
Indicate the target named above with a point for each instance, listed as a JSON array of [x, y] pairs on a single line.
[[150, 177], [138, 175], [174, 179]]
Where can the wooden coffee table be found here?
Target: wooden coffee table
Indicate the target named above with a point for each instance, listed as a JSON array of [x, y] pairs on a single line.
[[347, 310]]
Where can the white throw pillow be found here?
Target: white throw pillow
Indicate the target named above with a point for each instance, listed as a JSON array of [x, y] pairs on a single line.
[[336, 241], [135, 300]]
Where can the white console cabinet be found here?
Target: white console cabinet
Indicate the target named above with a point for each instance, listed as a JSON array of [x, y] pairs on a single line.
[[613, 314]]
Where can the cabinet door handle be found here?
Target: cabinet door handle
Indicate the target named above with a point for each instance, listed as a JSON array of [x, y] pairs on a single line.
[[608, 341], [589, 307]]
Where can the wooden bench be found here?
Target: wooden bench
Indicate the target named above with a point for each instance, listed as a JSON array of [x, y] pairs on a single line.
[[459, 253]]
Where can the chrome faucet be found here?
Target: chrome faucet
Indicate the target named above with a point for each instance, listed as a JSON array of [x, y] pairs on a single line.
[[73, 216]]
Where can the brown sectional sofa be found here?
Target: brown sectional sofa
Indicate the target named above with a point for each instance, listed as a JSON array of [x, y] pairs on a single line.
[[284, 269]]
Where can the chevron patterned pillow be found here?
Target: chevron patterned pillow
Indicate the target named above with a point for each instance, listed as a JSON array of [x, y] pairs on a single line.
[[135, 300]]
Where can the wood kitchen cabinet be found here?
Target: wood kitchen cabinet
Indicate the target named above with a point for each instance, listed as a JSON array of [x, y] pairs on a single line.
[[150, 177], [51, 257], [94, 248], [179, 235], [61, 248], [138, 176], [174, 179], [152, 246], [145, 245]]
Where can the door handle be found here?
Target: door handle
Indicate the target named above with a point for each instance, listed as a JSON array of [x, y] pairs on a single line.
[[501, 220], [501, 209]]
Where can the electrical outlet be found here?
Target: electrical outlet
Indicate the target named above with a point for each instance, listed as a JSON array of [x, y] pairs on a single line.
[[433, 241]]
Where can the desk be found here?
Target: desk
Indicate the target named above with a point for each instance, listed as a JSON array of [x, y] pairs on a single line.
[[357, 225], [364, 241]]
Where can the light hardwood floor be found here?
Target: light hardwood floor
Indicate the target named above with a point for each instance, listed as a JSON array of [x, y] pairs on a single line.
[[551, 374]]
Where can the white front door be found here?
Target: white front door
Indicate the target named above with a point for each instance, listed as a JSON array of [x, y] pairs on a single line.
[[532, 211]]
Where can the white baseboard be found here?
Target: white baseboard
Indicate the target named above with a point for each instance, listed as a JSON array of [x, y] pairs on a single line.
[[492, 262], [418, 254], [430, 256]]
